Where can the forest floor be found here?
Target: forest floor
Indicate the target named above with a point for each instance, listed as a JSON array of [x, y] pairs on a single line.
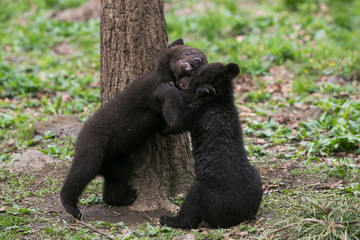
[[298, 98]]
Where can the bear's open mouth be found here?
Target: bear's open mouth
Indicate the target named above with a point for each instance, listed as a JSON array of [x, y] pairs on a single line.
[[182, 83], [188, 66], [181, 86]]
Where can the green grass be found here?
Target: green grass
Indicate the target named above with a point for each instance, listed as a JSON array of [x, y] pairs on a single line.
[[275, 36], [316, 41], [315, 215]]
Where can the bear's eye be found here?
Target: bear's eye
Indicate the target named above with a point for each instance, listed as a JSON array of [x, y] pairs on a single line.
[[189, 53]]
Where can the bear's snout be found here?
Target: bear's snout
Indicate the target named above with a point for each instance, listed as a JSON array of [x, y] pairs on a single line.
[[197, 62]]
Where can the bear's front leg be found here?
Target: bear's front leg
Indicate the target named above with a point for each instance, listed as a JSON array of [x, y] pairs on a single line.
[[179, 222], [190, 214], [166, 90], [174, 109]]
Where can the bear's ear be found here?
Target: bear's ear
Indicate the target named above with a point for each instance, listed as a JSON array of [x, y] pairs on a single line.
[[232, 69], [176, 42]]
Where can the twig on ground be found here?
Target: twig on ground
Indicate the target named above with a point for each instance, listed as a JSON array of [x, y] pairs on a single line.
[[88, 226], [40, 182], [95, 230], [117, 213], [69, 226], [150, 218], [278, 230], [82, 214]]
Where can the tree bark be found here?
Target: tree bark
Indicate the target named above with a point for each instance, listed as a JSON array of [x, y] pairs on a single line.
[[133, 35]]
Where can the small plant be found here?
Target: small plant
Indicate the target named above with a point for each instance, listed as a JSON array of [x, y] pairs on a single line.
[[255, 151], [6, 120], [304, 85], [179, 200], [91, 199], [17, 210], [258, 96]]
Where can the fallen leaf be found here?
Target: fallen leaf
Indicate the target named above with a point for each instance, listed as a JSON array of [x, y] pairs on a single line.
[[63, 48], [327, 209]]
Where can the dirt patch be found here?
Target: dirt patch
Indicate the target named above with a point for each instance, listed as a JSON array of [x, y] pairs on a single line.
[[50, 206], [293, 115], [101, 212], [106, 213], [277, 168]]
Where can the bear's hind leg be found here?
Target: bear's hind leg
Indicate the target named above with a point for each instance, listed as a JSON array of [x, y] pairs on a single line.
[[117, 191], [190, 213]]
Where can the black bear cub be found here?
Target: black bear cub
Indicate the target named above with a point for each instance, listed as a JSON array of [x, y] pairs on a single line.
[[120, 126], [227, 189]]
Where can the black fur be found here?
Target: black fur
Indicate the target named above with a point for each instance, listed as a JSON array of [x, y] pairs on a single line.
[[227, 189], [120, 126]]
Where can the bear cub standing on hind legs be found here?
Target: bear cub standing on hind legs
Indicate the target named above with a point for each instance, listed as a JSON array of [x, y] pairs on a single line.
[[120, 126], [227, 190]]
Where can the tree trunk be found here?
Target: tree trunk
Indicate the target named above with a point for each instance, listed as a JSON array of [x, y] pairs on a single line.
[[133, 35]]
